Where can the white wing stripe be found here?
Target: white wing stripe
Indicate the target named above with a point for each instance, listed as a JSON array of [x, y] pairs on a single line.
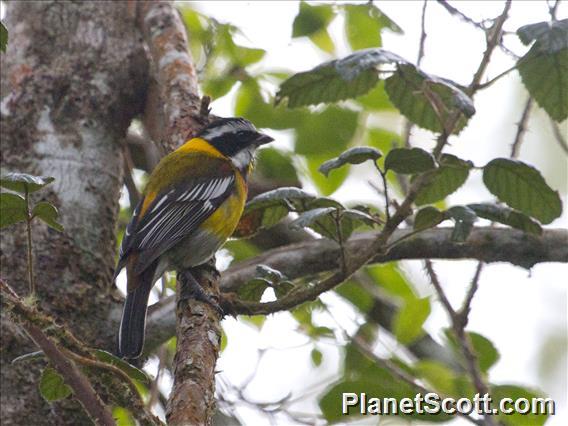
[[157, 206]]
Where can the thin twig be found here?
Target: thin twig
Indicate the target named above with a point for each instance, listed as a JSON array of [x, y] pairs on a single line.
[[29, 247], [463, 313], [386, 190], [553, 8], [521, 128], [455, 12], [488, 83], [429, 266], [82, 388]]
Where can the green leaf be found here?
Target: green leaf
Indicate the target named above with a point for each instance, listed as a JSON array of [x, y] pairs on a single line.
[[323, 40], [275, 165], [507, 216], [452, 173], [409, 160], [12, 209], [20, 182], [464, 217], [428, 217], [376, 99], [339, 79], [3, 37], [253, 290], [408, 321], [364, 23], [52, 386], [123, 417], [325, 185], [522, 187], [311, 19], [353, 292], [427, 100], [545, 75], [132, 372], [438, 375], [362, 29], [485, 350], [356, 155], [391, 278], [219, 86], [514, 392], [47, 213], [316, 357], [327, 132], [313, 219], [550, 36]]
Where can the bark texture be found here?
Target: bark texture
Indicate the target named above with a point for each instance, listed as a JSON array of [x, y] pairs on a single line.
[[72, 79]]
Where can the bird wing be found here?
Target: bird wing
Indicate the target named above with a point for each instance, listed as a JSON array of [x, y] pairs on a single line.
[[171, 216]]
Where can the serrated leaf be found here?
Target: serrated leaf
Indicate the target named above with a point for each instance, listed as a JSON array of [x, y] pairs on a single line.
[[12, 209], [522, 187], [507, 216], [267, 209], [132, 372], [310, 219], [428, 217], [3, 37], [551, 36], [409, 161], [427, 100], [464, 217], [545, 75], [20, 182], [47, 213], [316, 357], [452, 173], [356, 155], [408, 321], [52, 386], [335, 80]]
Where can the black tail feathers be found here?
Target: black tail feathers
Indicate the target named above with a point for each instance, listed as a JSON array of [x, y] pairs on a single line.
[[133, 323]]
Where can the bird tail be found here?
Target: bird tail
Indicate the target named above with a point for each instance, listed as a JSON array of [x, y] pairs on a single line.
[[133, 323]]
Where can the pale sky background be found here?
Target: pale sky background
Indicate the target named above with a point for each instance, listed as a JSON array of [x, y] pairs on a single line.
[[516, 309]]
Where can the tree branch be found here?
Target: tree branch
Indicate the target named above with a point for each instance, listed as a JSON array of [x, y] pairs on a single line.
[[198, 325], [484, 244]]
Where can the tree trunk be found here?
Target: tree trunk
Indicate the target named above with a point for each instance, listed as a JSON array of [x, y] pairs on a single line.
[[74, 75]]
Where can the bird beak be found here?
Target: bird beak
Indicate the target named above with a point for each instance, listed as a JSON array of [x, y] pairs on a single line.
[[263, 139]]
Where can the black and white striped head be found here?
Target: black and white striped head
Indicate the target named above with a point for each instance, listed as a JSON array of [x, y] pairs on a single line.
[[235, 138]]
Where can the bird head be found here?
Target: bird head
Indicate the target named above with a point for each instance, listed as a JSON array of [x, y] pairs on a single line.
[[235, 138]]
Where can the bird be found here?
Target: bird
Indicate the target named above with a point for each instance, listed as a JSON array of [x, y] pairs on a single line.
[[191, 205]]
